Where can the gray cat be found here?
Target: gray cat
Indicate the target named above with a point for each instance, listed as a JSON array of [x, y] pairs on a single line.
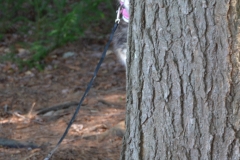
[[120, 37]]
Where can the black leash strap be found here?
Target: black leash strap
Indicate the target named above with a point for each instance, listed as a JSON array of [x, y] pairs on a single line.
[[86, 91]]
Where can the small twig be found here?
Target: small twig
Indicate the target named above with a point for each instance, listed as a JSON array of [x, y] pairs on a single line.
[[57, 107], [33, 105], [31, 155], [104, 102], [18, 115]]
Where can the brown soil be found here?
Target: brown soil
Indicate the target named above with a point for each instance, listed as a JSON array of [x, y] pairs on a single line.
[[98, 129]]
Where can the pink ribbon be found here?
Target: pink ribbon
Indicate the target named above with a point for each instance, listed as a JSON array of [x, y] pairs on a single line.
[[125, 14]]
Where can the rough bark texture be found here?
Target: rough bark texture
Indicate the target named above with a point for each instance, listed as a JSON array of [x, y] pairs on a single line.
[[183, 80]]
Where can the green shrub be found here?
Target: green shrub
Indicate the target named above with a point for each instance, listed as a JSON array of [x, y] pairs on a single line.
[[49, 24]]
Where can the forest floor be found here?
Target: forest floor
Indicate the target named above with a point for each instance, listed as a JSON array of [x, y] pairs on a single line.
[[29, 132]]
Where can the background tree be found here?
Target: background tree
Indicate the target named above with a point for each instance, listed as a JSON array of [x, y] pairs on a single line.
[[183, 90]]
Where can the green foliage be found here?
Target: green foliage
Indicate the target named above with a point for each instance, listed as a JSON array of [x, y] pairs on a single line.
[[1, 37], [49, 24]]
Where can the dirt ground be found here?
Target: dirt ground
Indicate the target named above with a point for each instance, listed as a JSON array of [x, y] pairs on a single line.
[[98, 129]]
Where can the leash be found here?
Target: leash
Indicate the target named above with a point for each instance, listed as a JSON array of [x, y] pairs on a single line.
[[117, 21]]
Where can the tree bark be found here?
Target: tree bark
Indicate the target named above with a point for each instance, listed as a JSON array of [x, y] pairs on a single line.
[[183, 80]]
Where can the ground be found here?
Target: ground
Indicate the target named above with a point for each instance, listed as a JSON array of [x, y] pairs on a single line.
[[98, 129]]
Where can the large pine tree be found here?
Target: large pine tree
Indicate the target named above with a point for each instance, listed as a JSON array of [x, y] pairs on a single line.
[[183, 80]]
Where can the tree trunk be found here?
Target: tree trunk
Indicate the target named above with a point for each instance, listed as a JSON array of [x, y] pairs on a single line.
[[183, 80]]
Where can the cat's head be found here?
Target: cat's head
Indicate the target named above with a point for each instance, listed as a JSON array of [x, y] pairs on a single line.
[[125, 9]]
